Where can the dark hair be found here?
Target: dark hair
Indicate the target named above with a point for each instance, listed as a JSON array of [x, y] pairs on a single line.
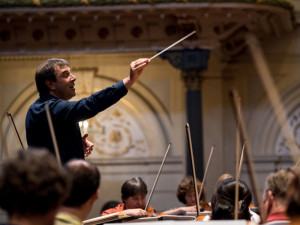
[[187, 185], [223, 199], [32, 183], [108, 205], [132, 187], [46, 71], [85, 180]]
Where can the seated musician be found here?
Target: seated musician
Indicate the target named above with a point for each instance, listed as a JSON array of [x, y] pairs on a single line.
[[254, 216], [223, 201], [223, 177], [186, 193], [276, 196], [293, 198], [85, 182], [134, 193], [32, 187]]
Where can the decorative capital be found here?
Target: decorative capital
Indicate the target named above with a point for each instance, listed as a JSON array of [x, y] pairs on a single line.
[[192, 63], [192, 79]]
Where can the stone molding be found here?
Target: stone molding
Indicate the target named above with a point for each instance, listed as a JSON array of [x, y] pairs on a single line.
[[137, 28]]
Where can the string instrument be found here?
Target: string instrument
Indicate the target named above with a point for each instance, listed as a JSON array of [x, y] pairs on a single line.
[[204, 207], [150, 210]]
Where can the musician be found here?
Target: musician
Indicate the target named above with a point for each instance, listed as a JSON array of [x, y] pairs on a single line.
[[85, 181], [293, 196], [186, 191], [32, 187], [223, 201], [133, 193], [56, 85], [222, 178], [275, 196]]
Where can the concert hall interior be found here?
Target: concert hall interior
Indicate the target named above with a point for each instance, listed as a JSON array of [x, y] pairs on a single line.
[[234, 82]]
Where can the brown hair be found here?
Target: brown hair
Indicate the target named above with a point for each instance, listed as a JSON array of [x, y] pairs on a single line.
[[187, 185]]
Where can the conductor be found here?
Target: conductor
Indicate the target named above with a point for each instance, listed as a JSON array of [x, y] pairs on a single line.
[[56, 86]]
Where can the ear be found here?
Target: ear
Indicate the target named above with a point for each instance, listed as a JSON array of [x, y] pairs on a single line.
[[270, 195], [50, 84], [270, 201], [94, 197]]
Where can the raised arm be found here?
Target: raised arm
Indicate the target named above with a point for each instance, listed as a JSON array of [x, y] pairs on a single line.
[[136, 69]]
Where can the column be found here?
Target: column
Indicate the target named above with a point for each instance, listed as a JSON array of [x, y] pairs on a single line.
[[192, 64]]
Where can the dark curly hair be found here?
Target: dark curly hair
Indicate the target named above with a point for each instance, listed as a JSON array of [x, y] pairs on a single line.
[[32, 183], [187, 185]]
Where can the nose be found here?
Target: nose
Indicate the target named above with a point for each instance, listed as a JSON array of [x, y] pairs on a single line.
[[73, 78], [193, 198], [140, 202]]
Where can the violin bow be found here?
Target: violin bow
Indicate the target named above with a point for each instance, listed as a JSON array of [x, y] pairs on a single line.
[[237, 180], [188, 132], [157, 176], [11, 120], [243, 135], [274, 97], [206, 169], [53, 135], [241, 161], [237, 153]]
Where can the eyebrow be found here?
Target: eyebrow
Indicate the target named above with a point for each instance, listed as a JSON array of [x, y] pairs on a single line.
[[66, 71]]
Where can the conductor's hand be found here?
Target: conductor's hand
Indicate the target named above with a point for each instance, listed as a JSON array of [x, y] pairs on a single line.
[[87, 145], [135, 212], [136, 69]]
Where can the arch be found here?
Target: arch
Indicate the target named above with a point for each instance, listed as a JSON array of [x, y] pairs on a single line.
[[137, 126], [264, 130]]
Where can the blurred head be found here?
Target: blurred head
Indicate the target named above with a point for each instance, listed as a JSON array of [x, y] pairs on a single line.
[[293, 196], [276, 191], [32, 184], [223, 201], [223, 177], [134, 193], [85, 182], [186, 191]]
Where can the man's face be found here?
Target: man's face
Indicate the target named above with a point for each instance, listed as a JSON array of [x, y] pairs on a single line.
[[136, 201], [190, 198], [64, 86]]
